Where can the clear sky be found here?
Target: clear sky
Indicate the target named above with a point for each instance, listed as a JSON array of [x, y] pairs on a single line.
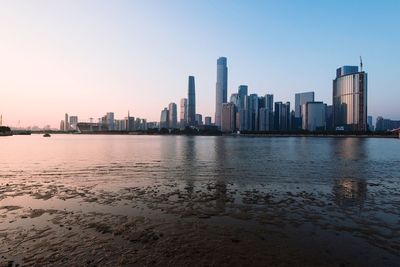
[[90, 57]]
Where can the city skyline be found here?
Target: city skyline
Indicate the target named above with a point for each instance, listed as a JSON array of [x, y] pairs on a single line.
[[94, 65]]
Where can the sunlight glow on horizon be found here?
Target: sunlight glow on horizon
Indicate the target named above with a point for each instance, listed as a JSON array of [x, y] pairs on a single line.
[[87, 58]]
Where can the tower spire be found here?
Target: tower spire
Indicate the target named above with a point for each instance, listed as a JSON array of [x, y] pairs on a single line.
[[361, 64]]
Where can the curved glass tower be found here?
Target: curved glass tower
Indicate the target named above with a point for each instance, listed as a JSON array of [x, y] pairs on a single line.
[[350, 99]]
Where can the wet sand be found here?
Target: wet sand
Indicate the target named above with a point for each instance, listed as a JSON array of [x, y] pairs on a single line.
[[48, 223], [199, 201]]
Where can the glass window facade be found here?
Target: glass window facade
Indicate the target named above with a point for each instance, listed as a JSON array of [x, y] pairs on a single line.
[[350, 101]]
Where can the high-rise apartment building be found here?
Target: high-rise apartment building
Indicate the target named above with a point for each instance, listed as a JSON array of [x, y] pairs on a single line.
[[234, 99], [269, 106], [66, 122], [242, 97], [191, 102], [110, 121], [184, 112], [73, 122], [199, 119], [313, 116], [228, 119], [173, 116], [253, 112], [282, 116], [370, 123], [350, 99], [262, 114], [242, 116], [207, 121], [221, 91], [386, 124], [164, 119], [301, 99]]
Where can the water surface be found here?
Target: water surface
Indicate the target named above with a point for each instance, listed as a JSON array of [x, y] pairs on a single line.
[[306, 196]]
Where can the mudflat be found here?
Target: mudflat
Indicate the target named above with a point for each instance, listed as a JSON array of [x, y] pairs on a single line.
[[199, 201]]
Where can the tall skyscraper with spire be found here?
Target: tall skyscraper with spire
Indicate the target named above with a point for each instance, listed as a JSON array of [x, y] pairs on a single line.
[[191, 102], [221, 90]]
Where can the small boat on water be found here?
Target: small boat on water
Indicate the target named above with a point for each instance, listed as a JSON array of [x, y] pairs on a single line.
[[46, 135]]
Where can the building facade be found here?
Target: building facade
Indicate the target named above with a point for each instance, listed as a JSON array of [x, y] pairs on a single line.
[[207, 121], [313, 116], [350, 99], [221, 90], [164, 119], [110, 121], [191, 102], [282, 116], [184, 112], [253, 113], [228, 120], [73, 121], [269, 106], [386, 124], [66, 122], [173, 116], [199, 119], [301, 99]]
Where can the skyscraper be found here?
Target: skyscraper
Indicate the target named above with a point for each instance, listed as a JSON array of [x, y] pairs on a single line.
[[184, 112], [199, 119], [221, 88], [234, 99], [242, 95], [66, 122], [228, 118], [207, 120], [350, 99], [73, 122], [313, 116], [110, 121], [253, 112], [370, 124], [300, 99], [172, 113], [242, 108], [262, 114], [269, 106], [191, 102], [282, 116], [164, 119]]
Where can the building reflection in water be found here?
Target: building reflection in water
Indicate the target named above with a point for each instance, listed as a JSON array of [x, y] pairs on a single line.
[[189, 160], [221, 158], [350, 192], [350, 181]]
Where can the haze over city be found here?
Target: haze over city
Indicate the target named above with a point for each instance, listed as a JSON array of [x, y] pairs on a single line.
[[87, 58]]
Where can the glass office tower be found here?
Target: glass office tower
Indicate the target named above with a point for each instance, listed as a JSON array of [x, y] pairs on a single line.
[[350, 99], [191, 102], [221, 88]]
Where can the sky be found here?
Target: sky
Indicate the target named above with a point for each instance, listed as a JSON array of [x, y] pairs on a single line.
[[87, 58]]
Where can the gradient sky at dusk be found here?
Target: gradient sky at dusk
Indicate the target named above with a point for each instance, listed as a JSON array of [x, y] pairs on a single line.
[[90, 57]]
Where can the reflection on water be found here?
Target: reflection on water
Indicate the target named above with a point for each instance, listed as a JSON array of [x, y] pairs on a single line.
[[350, 192], [329, 185], [350, 183]]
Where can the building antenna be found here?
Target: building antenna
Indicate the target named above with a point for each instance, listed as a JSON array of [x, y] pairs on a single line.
[[361, 64]]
